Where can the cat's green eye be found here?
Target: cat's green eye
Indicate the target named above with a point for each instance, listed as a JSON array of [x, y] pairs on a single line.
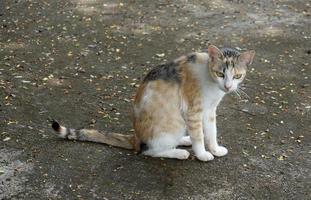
[[220, 74], [237, 76]]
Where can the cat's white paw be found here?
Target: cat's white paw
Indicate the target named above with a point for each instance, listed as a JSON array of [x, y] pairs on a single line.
[[219, 151], [205, 156], [182, 154]]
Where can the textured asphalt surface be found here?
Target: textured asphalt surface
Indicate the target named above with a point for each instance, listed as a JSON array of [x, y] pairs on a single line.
[[80, 62]]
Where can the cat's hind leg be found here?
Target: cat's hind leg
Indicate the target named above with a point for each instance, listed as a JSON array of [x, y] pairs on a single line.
[[185, 141], [180, 154], [164, 145]]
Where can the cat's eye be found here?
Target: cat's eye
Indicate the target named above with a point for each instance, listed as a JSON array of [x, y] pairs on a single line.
[[220, 74], [237, 76]]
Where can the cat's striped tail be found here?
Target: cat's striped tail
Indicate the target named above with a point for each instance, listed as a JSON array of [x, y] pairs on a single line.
[[113, 139]]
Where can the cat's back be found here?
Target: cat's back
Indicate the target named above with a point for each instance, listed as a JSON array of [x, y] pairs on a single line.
[[170, 85], [166, 79], [173, 72]]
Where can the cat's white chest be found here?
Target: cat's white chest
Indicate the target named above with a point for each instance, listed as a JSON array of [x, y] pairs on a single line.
[[211, 97]]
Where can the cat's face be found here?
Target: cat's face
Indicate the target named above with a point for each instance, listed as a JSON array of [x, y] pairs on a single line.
[[228, 67]]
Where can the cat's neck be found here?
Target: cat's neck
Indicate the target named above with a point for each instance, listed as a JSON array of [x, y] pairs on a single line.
[[200, 70], [212, 94]]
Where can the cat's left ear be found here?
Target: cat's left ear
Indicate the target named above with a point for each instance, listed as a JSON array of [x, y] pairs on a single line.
[[247, 57]]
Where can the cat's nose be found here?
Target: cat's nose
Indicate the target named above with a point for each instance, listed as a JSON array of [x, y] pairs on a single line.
[[227, 87]]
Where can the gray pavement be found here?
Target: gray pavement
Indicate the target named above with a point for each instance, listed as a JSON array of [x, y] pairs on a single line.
[[80, 62]]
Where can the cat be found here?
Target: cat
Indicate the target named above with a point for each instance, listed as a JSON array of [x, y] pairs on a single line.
[[175, 105]]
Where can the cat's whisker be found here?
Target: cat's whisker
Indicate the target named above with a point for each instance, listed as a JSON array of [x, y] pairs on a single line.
[[244, 93], [241, 88], [236, 92], [242, 96]]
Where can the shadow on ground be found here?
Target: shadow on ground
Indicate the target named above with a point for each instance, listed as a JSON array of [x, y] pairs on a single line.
[[80, 61]]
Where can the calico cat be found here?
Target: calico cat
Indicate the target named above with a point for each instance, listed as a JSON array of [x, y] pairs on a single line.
[[176, 106]]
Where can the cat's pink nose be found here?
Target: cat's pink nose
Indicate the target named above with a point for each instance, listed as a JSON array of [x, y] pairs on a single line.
[[227, 87]]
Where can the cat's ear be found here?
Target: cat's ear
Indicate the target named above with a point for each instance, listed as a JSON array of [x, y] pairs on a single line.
[[247, 57], [214, 53]]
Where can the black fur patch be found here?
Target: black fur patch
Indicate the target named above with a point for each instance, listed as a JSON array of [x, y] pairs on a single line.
[[56, 126], [167, 72], [191, 58], [229, 52], [143, 147]]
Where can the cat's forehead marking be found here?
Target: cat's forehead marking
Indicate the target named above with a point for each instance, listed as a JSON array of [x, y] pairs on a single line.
[[229, 52], [229, 62], [230, 57]]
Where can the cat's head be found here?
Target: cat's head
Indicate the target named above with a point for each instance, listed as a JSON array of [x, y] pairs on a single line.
[[227, 67]]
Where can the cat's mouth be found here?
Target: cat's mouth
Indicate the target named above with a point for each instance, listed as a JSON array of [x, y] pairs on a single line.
[[227, 91]]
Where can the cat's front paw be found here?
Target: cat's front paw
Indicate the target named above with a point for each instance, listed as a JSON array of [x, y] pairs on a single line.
[[219, 151], [205, 156]]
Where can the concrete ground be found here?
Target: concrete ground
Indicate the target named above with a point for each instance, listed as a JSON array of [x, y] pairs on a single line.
[[80, 61]]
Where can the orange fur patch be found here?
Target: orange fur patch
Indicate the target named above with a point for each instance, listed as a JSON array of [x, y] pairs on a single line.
[[159, 112]]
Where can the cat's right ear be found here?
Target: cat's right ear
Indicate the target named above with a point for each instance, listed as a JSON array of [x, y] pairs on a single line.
[[214, 53]]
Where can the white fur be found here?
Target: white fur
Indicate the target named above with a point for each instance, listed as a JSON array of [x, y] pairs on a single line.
[[164, 145], [212, 92], [185, 141], [62, 132], [200, 152], [212, 97], [168, 153]]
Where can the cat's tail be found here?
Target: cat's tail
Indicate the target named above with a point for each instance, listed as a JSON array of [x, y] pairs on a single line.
[[113, 139]]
